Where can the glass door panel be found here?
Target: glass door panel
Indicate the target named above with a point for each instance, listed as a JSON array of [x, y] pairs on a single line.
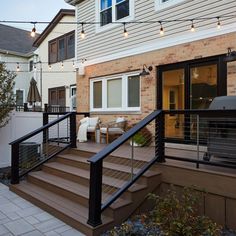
[[203, 89], [203, 86], [173, 99]]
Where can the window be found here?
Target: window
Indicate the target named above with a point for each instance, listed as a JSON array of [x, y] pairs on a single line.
[[62, 48], [114, 10], [19, 97], [31, 65], [116, 93], [161, 4]]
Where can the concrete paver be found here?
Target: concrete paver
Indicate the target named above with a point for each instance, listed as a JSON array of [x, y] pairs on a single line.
[[19, 217]]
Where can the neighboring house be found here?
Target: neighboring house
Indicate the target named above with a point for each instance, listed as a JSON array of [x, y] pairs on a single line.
[[17, 52], [55, 62], [189, 68]]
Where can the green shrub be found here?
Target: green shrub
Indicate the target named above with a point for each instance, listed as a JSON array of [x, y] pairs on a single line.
[[174, 214]]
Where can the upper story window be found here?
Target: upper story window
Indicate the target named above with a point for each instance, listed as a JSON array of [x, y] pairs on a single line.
[[116, 93], [31, 65], [161, 4], [114, 10], [61, 48]]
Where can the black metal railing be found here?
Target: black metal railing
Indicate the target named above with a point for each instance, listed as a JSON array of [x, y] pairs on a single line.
[[39, 146], [202, 137], [101, 196]]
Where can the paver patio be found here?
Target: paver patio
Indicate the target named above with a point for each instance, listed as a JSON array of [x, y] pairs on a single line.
[[19, 217]]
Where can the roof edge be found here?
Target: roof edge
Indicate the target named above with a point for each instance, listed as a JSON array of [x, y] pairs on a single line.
[[73, 2], [52, 24]]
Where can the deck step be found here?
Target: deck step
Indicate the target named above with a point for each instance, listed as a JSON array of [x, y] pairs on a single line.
[[82, 176], [69, 189], [82, 162], [68, 211]]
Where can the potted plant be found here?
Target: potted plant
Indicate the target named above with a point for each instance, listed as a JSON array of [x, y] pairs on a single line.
[[141, 138]]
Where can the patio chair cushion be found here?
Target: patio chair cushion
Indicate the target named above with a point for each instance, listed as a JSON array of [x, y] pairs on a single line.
[[120, 119], [112, 130], [93, 121], [91, 129]]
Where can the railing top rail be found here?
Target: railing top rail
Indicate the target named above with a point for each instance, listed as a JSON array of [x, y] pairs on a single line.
[[205, 112], [122, 139], [29, 135]]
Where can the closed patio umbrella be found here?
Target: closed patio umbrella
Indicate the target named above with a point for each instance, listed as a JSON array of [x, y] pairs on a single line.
[[33, 94]]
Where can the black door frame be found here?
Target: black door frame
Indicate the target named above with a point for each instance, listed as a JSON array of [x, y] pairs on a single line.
[[186, 65]]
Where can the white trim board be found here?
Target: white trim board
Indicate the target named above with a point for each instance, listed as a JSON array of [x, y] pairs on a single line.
[[165, 43]]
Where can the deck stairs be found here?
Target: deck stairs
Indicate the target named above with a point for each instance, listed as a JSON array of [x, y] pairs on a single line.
[[61, 187]]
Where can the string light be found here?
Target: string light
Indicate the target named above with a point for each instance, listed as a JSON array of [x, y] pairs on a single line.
[[62, 65], [126, 34], [49, 67], [33, 32], [82, 33], [218, 23], [34, 66], [192, 27], [73, 64], [18, 67], [161, 29]]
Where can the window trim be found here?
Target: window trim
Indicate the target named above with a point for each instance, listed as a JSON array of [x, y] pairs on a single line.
[[159, 5], [56, 40], [124, 78], [106, 27]]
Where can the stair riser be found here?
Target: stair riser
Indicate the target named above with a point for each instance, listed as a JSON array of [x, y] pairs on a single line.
[[81, 153], [68, 176], [79, 164], [107, 171], [60, 191], [53, 211]]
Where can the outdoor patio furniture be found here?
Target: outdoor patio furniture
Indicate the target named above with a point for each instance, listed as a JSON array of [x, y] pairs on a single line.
[[113, 128], [88, 125]]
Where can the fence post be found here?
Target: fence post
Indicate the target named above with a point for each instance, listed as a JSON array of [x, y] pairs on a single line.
[[159, 137], [73, 129], [95, 194], [15, 163], [45, 107]]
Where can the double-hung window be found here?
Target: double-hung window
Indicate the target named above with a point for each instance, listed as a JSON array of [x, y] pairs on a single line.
[[116, 93], [62, 48], [161, 4], [114, 10]]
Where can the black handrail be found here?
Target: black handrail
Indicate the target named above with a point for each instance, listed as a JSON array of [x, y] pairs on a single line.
[[206, 112], [37, 131], [95, 206]]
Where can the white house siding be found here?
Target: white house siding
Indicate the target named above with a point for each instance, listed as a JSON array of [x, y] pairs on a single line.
[[22, 80], [56, 76], [97, 47]]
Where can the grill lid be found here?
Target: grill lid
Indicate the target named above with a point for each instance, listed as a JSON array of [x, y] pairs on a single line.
[[223, 102]]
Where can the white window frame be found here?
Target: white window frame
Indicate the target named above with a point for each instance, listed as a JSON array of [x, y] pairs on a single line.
[[100, 28], [159, 4], [124, 78]]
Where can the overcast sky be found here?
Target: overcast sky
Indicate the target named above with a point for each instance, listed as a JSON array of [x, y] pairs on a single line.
[[31, 10]]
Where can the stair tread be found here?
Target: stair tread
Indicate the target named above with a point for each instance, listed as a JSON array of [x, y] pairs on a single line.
[[85, 174], [113, 166], [62, 204], [74, 187]]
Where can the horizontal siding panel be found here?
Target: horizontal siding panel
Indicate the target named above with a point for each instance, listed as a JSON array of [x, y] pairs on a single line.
[[97, 45]]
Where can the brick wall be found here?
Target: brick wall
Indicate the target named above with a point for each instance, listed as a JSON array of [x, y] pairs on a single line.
[[202, 48]]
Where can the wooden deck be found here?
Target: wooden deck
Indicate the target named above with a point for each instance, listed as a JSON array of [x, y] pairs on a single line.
[[174, 150]]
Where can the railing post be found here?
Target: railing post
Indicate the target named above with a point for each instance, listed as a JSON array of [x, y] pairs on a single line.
[[159, 137], [95, 194], [45, 107], [15, 164], [25, 107], [45, 121], [73, 130]]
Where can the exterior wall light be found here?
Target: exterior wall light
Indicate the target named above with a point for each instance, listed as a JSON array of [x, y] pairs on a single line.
[[146, 70], [230, 56]]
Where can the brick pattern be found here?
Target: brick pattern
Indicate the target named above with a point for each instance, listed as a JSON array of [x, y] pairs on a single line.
[[202, 48]]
